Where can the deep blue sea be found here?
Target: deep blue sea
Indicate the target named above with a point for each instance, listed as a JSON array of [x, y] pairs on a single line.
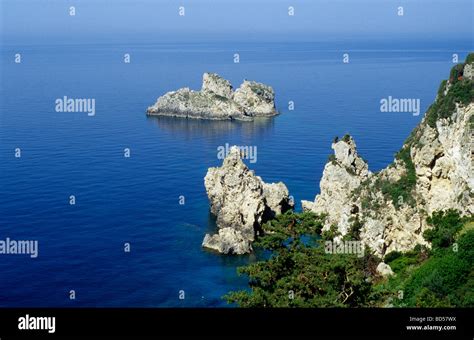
[[136, 199]]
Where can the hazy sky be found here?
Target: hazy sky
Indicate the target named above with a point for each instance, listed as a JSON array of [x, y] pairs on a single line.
[[234, 19]]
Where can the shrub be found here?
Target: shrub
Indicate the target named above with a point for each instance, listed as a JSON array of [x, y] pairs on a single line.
[[470, 58], [441, 88], [354, 231], [446, 279], [331, 233], [460, 92], [456, 71], [332, 159], [404, 186], [445, 226], [346, 138], [317, 279], [442, 275], [393, 255], [466, 246], [402, 263]]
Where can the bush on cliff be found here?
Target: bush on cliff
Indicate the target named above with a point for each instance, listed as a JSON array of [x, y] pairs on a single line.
[[445, 226], [443, 277], [461, 91], [301, 274]]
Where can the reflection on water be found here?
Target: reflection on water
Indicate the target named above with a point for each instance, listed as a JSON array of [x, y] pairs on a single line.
[[191, 128]]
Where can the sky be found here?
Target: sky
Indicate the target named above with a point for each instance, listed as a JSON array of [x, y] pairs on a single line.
[[39, 20]]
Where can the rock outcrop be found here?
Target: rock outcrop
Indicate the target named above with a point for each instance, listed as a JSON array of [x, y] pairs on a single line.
[[433, 171], [241, 202], [342, 174], [218, 101], [384, 269]]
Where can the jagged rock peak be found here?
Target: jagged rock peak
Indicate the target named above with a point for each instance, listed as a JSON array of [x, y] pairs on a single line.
[[343, 173], [345, 153], [241, 202], [212, 82]]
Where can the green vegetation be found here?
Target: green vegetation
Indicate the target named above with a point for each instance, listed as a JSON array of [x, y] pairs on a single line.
[[456, 72], [440, 277], [401, 191], [442, 87], [470, 58], [354, 231], [346, 138], [446, 225], [399, 260], [331, 233], [301, 274], [461, 91]]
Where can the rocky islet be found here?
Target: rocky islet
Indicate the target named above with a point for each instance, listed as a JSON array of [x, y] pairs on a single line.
[[218, 101]]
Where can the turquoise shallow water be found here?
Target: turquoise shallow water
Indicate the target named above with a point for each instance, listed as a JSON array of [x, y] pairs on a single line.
[[136, 200]]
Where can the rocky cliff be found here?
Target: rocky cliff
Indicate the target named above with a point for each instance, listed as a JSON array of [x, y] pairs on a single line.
[[217, 101], [341, 176], [433, 171], [241, 202]]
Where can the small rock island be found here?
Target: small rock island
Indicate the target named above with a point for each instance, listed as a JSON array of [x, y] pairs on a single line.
[[218, 101], [241, 202]]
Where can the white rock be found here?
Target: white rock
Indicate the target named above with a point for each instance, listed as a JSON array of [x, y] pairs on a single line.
[[340, 177], [217, 101], [227, 241], [212, 82], [258, 99], [242, 202], [384, 269]]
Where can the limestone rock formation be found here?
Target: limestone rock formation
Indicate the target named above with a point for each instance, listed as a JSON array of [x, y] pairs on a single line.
[[469, 71], [217, 101], [213, 83], [433, 171], [257, 99], [384, 269], [228, 241], [342, 174], [241, 201]]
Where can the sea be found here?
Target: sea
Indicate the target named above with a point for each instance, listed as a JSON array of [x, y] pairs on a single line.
[[132, 237]]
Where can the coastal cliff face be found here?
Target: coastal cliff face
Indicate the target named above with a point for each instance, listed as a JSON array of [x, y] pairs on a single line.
[[241, 202], [218, 101], [433, 171], [387, 210]]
